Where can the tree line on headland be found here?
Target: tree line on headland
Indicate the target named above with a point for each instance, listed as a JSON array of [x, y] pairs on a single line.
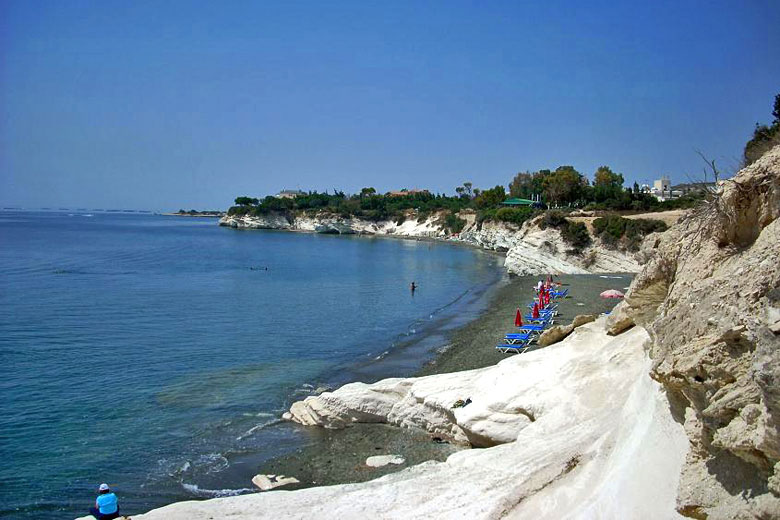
[[564, 188]]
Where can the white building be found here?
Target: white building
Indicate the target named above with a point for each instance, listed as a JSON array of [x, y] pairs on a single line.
[[662, 189], [663, 184], [289, 194]]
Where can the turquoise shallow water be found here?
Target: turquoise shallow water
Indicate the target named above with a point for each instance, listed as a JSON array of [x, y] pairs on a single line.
[[143, 351]]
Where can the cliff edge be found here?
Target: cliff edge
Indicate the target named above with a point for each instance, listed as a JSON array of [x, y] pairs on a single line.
[[709, 296], [530, 250]]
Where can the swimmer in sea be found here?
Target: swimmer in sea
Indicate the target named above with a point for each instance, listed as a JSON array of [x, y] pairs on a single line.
[[413, 287]]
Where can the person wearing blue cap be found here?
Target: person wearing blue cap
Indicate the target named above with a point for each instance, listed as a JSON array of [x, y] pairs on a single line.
[[106, 505]]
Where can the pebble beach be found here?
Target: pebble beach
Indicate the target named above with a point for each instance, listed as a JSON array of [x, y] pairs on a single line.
[[339, 456]]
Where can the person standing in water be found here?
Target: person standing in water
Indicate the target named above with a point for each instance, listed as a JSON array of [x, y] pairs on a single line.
[[413, 287]]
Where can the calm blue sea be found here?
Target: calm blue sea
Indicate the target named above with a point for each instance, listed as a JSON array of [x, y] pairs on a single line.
[[143, 351]]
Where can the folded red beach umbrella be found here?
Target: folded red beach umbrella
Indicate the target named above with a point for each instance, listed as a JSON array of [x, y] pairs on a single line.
[[518, 319], [547, 298], [535, 312]]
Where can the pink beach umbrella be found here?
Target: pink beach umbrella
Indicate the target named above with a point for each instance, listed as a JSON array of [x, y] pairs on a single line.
[[612, 293]]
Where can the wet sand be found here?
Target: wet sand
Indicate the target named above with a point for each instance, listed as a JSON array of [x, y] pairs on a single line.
[[338, 456]]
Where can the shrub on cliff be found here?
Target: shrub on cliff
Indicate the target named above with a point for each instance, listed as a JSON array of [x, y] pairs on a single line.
[[553, 219], [238, 210], [514, 215], [613, 229], [576, 235], [453, 223], [765, 137]]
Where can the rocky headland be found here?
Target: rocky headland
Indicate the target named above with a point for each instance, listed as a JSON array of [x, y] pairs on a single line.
[[667, 408], [529, 248]]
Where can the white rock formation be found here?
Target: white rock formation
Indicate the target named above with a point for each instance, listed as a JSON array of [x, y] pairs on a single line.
[[578, 430], [377, 461], [270, 221], [267, 482], [411, 228], [539, 251], [530, 250]]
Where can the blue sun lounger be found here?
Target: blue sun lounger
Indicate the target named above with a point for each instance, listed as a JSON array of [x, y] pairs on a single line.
[[520, 338], [543, 319], [514, 348], [531, 326], [559, 294]]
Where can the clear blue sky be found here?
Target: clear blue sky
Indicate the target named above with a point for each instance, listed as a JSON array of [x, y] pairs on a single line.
[[161, 105]]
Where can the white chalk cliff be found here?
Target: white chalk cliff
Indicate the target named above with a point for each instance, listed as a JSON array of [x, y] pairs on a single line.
[[529, 249], [576, 430]]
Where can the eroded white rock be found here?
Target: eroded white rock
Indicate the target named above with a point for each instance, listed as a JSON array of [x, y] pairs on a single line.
[[530, 250], [578, 429], [266, 482], [377, 461]]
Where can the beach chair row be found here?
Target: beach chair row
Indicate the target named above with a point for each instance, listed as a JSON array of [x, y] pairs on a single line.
[[533, 325]]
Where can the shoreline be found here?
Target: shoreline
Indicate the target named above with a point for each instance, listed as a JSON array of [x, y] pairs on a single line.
[[336, 457], [333, 457], [188, 215], [530, 249], [327, 457]]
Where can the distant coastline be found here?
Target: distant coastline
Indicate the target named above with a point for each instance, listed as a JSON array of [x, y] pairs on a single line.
[[194, 213]]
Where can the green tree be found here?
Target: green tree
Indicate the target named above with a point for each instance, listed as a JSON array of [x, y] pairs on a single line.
[[522, 186], [490, 198], [538, 179], [765, 137], [246, 201], [607, 185], [564, 186], [776, 110], [366, 192]]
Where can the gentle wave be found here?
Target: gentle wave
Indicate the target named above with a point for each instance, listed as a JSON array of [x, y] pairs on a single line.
[[215, 493], [257, 428]]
